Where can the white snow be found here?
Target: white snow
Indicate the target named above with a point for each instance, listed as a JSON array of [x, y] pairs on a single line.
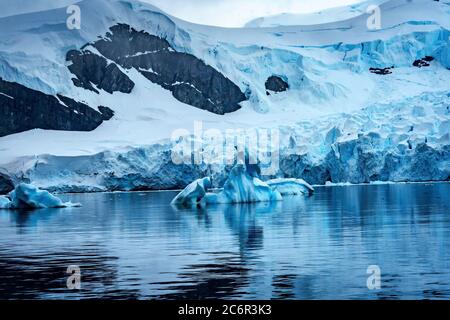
[[321, 17]]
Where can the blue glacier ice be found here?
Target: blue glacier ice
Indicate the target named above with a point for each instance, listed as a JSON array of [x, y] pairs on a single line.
[[4, 202], [291, 187], [26, 196], [242, 186], [193, 194]]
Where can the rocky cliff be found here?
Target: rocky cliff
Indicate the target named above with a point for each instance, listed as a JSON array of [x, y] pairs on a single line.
[[23, 109]]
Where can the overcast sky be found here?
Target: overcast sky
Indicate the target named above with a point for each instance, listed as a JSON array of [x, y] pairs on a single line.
[[227, 13]]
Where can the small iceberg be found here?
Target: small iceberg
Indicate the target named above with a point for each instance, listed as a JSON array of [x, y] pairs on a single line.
[[242, 186], [27, 196], [193, 194], [291, 187]]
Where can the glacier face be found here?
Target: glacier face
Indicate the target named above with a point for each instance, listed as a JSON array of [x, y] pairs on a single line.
[[403, 141], [338, 122]]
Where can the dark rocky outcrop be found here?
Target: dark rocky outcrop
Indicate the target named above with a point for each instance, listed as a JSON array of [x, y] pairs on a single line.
[[188, 78], [91, 68], [420, 63], [106, 112], [382, 71], [6, 184], [23, 109], [428, 58], [424, 62], [276, 84]]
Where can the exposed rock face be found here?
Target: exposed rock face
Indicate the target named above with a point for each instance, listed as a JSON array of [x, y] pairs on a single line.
[[276, 84], [424, 62], [189, 79], [106, 112], [90, 68], [381, 71], [23, 109], [6, 184]]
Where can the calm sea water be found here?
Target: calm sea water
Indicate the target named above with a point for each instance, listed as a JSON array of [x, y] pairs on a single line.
[[136, 246]]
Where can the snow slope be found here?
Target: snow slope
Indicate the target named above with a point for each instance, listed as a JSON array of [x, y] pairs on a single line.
[[326, 64], [15, 7], [321, 17]]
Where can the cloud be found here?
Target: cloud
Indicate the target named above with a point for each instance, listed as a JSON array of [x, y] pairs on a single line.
[[235, 13]]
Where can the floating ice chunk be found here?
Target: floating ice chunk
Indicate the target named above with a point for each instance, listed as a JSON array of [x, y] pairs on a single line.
[[243, 187], [193, 193], [5, 203], [291, 186], [30, 197]]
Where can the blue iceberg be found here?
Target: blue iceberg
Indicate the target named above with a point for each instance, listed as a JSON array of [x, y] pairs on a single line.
[[193, 194], [242, 186], [291, 187], [27, 196]]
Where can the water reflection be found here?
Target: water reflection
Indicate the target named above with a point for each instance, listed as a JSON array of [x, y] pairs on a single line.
[[136, 246]]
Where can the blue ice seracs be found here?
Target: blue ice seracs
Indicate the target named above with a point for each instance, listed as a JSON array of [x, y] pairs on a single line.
[[27, 196], [242, 186]]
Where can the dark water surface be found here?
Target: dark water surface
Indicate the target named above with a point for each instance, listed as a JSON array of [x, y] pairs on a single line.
[[136, 246]]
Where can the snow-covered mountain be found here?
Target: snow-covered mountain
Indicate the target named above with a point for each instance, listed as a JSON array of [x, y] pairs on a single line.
[[133, 74], [15, 7]]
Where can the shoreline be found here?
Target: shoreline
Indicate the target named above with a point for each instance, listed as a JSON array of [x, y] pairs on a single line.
[[344, 184]]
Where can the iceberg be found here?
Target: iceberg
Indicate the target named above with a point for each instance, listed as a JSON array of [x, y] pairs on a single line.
[[193, 193], [27, 196], [291, 187], [4, 202], [242, 186]]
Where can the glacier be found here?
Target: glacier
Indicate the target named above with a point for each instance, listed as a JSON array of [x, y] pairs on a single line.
[[382, 142], [26, 196], [338, 122]]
